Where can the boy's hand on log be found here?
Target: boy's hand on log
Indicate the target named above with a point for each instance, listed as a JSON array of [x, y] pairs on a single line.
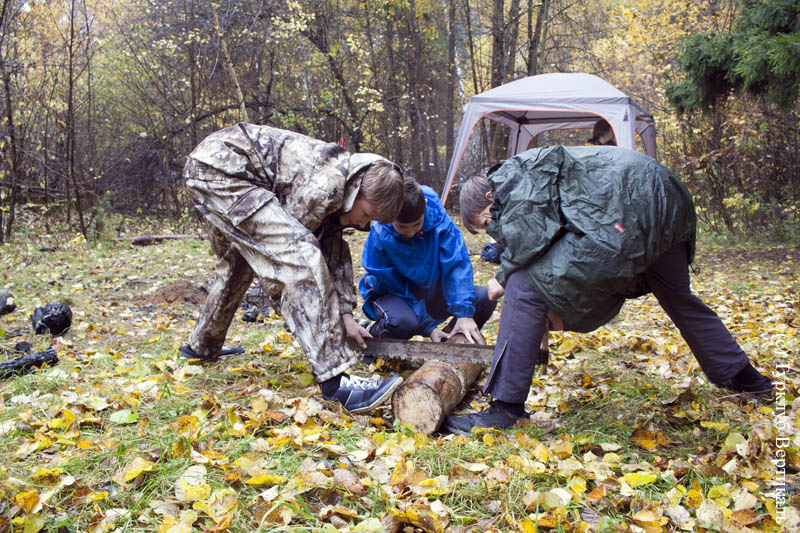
[[437, 335], [496, 290], [355, 331], [467, 327]]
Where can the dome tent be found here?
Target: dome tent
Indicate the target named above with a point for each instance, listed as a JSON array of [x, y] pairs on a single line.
[[535, 104]]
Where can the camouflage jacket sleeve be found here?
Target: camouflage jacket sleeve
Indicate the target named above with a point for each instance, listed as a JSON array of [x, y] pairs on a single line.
[[340, 265]]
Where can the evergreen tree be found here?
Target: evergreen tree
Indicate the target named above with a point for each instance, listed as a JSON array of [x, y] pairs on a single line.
[[761, 54]]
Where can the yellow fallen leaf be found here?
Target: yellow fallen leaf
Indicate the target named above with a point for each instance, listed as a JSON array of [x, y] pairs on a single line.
[[270, 514], [694, 498], [419, 515], [645, 515], [540, 452], [720, 491], [637, 479], [32, 523], [676, 494], [220, 507], [719, 426], [533, 500], [63, 422], [611, 458], [644, 439], [47, 476], [476, 467], [744, 517], [562, 448], [499, 474], [182, 524], [731, 441], [597, 494], [266, 479], [432, 487], [39, 443], [278, 441], [27, 500], [235, 425], [772, 509], [662, 440], [138, 466], [577, 486], [548, 519], [192, 486], [330, 510], [710, 514], [193, 493], [233, 477], [567, 345]]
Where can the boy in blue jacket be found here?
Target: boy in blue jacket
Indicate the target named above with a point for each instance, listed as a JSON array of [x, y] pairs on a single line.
[[419, 273]]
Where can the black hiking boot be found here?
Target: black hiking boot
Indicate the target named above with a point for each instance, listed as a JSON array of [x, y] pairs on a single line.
[[752, 383], [495, 416], [187, 352]]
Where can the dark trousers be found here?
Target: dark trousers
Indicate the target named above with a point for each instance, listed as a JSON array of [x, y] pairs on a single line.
[[396, 319], [524, 315]]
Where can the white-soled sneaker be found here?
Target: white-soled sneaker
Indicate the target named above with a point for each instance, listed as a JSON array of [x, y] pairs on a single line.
[[362, 395]]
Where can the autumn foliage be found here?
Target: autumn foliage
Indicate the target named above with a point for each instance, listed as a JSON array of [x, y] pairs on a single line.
[[625, 432], [102, 100]]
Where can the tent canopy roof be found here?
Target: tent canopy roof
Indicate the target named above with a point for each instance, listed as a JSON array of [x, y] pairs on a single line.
[[554, 88], [535, 104]]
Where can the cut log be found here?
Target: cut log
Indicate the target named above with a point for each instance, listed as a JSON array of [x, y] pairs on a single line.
[[145, 240], [432, 392]]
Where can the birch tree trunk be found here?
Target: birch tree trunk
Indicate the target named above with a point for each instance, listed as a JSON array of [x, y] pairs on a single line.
[[229, 64]]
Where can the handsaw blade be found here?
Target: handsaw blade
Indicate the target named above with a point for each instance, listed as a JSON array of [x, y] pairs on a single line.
[[425, 351]]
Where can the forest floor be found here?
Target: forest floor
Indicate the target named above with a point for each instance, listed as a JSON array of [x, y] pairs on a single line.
[[626, 434]]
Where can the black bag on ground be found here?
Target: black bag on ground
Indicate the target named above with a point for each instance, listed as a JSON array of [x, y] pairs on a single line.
[[26, 363], [22, 347], [7, 304], [55, 318], [251, 314]]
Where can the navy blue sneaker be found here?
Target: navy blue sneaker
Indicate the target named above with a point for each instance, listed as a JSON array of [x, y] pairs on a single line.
[[362, 395], [495, 416], [187, 352]]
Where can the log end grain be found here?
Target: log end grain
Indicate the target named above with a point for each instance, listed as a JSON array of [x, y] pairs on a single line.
[[419, 405]]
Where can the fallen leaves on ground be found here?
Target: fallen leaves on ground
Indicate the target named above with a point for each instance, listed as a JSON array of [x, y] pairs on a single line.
[[625, 434]]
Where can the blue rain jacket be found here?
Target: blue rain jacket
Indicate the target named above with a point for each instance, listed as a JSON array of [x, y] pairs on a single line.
[[413, 269]]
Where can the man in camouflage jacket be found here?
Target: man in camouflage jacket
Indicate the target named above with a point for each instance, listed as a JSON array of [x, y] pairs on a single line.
[[275, 203]]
